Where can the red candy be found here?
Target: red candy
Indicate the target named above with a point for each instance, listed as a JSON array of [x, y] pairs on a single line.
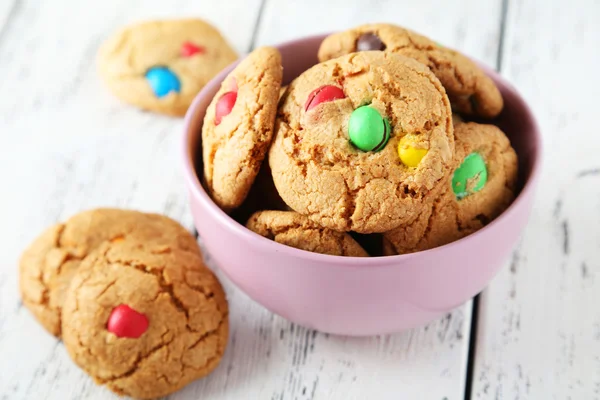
[[224, 106], [126, 322], [188, 49], [323, 94]]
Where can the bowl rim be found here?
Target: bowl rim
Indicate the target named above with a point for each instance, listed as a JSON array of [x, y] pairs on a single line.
[[197, 190]]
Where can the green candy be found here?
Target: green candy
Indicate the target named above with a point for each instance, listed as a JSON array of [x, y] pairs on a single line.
[[470, 177], [368, 130]]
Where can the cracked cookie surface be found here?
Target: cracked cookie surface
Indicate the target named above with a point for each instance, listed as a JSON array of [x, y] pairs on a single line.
[[295, 230], [237, 134], [320, 174], [47, 266], [447, 219], [183, 302], [191, 49], [470, 90]]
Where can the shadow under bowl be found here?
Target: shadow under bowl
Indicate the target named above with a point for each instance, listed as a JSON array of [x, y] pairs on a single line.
[[351, 295]]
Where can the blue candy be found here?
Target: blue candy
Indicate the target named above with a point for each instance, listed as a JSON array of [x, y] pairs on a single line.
[[163, 81]]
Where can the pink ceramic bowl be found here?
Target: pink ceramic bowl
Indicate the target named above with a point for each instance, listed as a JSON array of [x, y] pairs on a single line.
[[358, 296]]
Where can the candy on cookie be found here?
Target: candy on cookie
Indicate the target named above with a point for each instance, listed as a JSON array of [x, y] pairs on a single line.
[[48, 264], [481, 186], [161, 65], [335, 155], [295, 230], [470, 90], [145, 319], [238, 127]]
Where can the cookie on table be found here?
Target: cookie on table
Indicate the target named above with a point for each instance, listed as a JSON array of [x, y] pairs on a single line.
[[238, 126], [470, 90], [481, 187], [48, 264], [162, 65], [361, 141], [295, 230], [144, 319]]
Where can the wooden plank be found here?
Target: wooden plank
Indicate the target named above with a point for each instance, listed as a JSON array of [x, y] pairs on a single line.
[[67, 145], [539, 326], [438, 370], [467, 25], [8, 8]]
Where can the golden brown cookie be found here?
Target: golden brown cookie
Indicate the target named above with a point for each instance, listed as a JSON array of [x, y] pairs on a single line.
[[145, 319], [457, 212], [162, 65], [317, 167], [295, 230], [470, 90], [238, 126], [48, 264]]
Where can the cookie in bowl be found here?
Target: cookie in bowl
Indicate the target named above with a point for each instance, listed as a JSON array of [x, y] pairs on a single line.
[[295, 230], [470, 90], [238, 127], [481, 187], [361, 140]]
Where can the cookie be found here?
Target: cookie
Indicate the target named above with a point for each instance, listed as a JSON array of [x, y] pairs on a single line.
[[145, 319], [238, 126], [295, 230], [481, 187], [162, 65], [48, 264], [361, 140], [470, 90]]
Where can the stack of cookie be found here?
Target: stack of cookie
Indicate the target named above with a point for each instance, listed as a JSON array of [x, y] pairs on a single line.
[[131, 298], [371, 145]]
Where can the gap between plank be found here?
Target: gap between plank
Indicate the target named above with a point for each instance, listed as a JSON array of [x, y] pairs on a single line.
[[12, 12], [475, 313], [472, 345], [503, 16], [257, 25]]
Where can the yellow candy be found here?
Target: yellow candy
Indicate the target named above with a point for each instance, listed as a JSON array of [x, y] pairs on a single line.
[[409, 155]]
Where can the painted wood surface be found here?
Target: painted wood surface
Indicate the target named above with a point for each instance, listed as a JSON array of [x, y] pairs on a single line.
[[67, 145], [539, 321]]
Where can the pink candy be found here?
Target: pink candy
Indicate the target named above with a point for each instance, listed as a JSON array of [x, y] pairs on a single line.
[[323, 94], [224, 106]]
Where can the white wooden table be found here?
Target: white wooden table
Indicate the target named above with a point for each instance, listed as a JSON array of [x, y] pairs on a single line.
[[67, 145]]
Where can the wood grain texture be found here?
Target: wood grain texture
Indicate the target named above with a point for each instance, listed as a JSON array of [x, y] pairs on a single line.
[[470, 26], [539, 326], [67, 145]]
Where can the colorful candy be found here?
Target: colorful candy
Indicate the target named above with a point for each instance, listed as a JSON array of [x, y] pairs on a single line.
[[224, 106], [323, 94], [470, 177], [369, 41], [368, 130], [188, 49], [124, 321], [410, 155], [163, 81]]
